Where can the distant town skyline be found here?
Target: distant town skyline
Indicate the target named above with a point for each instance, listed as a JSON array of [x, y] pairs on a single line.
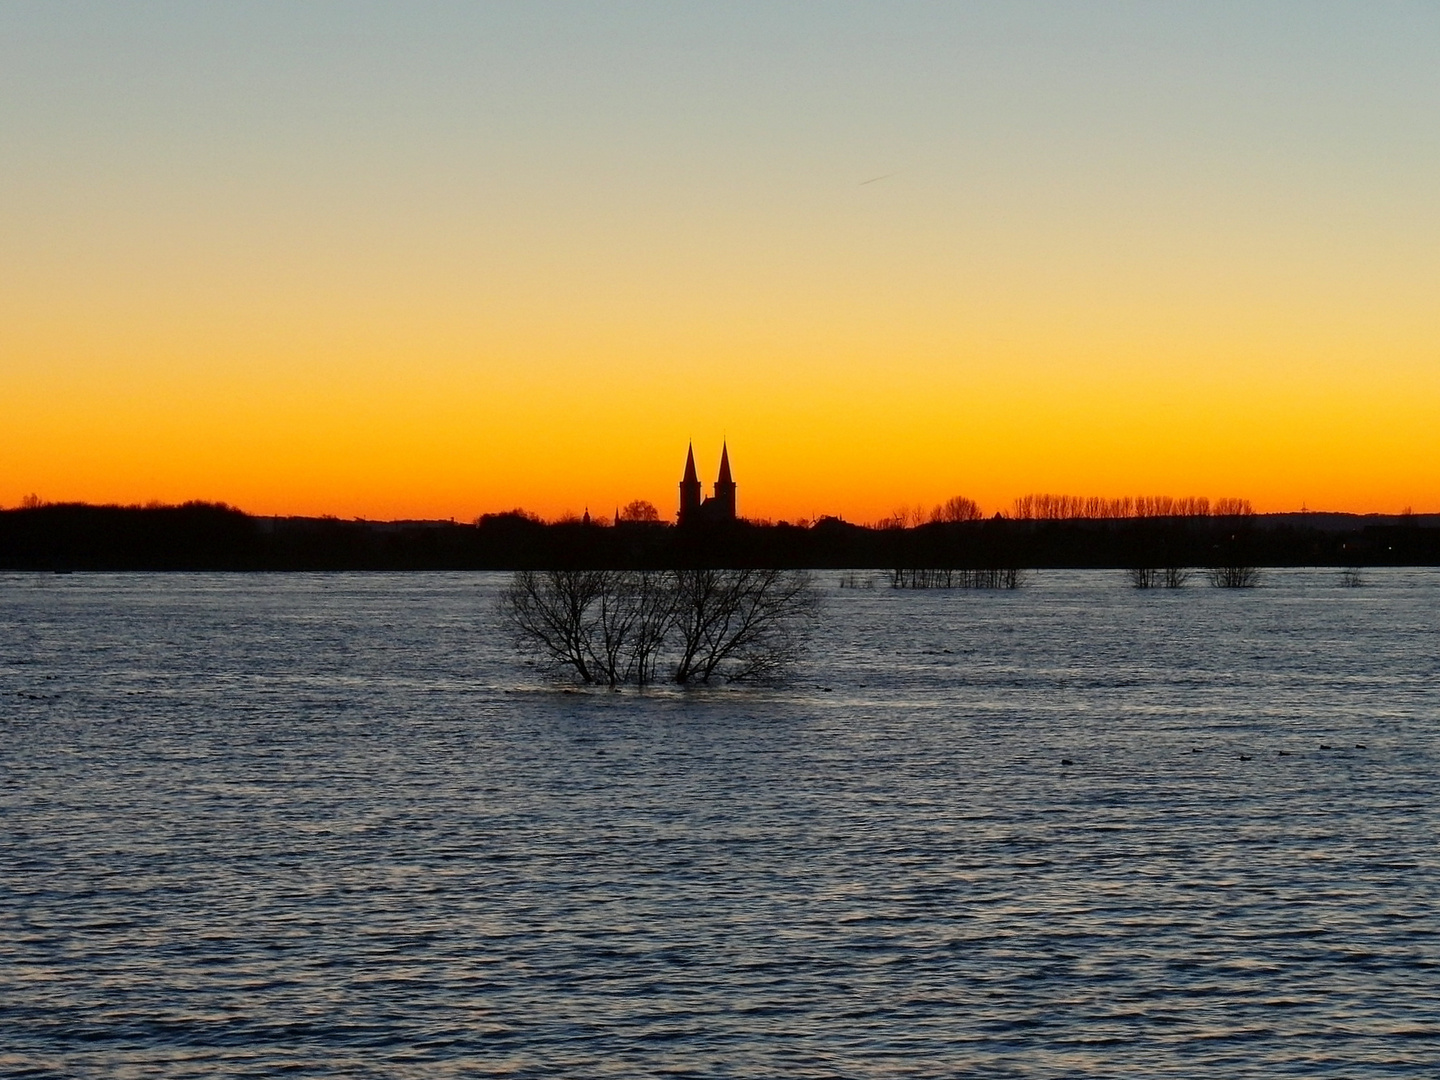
[[430, 262], [693, 507]]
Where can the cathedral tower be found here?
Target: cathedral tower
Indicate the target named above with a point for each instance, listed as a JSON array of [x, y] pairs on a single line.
[[689, 490], [720, 507], [724, 498]]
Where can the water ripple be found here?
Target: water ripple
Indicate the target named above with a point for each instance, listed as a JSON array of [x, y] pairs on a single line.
[[325, 825]]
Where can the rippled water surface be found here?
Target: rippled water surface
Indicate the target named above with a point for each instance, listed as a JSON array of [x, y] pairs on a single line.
[[330, 825]]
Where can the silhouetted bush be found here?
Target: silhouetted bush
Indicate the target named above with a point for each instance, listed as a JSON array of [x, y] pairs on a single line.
[[1351, 578], [639, 510]]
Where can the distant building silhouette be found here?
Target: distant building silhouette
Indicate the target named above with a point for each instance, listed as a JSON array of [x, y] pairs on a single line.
[[720, 507], [689, 490]]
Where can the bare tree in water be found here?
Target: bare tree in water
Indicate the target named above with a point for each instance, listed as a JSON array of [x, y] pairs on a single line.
[[741, 624], [551, 613], [602, 626], [634, 612], [1234, 576], [612, 627], [1169, 577]]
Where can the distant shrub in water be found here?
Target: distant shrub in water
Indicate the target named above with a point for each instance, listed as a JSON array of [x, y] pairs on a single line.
[[930, 578], [1175, 577], [1351, 577], [1169, 577], [614, 627], [1234, 577]]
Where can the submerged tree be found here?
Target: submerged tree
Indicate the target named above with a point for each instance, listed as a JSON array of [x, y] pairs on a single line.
[[1175, 577], [741, 624], [1144, 577], [1233, 576], [602, 626], [634, 611], [612, 627], [1168, 577], [551, 613], [994, 577]]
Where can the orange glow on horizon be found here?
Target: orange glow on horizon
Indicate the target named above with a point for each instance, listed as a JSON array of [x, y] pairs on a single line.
[[407, 422]]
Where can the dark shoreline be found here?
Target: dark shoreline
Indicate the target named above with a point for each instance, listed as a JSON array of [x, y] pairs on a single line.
[[200, 536]]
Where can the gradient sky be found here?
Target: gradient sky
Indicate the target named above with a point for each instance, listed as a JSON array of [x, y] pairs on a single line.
[[429, 260]]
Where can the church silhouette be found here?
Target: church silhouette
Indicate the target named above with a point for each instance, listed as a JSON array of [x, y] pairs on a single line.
[[720, 507]]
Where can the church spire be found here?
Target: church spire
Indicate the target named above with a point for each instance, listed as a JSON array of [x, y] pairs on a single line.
[[724, 499], [689, 489]]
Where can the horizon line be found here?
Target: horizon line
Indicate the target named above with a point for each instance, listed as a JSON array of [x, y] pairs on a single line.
[[900, 518]]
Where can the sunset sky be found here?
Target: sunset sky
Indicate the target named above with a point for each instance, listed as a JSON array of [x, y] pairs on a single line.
[[432, 260]]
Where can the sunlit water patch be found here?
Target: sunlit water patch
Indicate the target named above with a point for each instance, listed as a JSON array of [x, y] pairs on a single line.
[[331, 825]]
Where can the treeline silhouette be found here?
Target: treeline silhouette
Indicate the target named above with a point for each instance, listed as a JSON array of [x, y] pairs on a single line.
[[210, 536], [1046, 507]]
